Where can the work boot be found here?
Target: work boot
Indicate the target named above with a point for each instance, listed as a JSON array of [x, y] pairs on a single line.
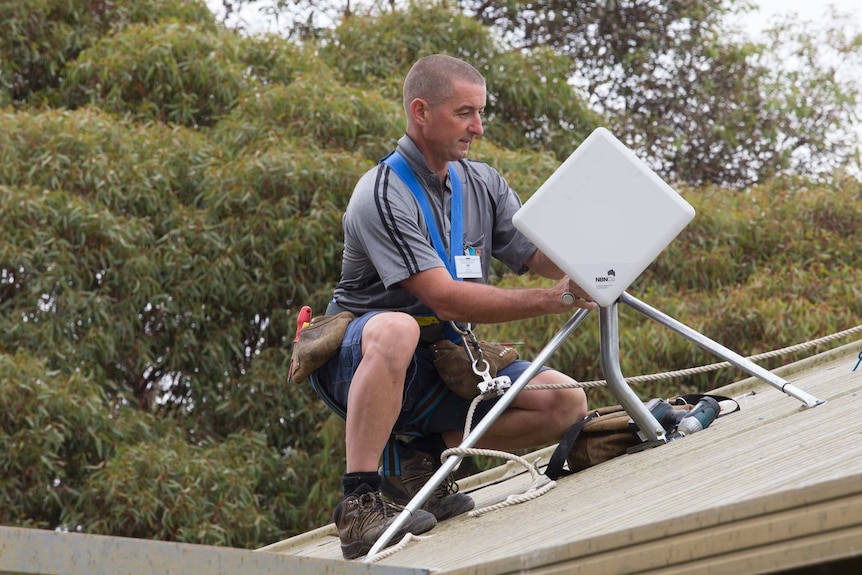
[[417, 467], [363, 516]]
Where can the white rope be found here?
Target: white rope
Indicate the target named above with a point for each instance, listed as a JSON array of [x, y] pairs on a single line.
[[468, 421], [704, 368], [408, 537], [535, 490]]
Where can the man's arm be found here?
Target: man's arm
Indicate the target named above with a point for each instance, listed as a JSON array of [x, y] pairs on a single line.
[[480, 303], [540, 263]]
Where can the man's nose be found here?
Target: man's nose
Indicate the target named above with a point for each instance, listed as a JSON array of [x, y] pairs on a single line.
[[476, 127]]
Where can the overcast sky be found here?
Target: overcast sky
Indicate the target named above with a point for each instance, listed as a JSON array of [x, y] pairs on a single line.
[[810, 10]]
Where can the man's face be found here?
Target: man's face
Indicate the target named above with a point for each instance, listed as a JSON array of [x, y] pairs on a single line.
[[455, 122]]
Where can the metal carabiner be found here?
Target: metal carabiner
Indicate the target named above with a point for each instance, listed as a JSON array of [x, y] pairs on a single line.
[[469, 339]]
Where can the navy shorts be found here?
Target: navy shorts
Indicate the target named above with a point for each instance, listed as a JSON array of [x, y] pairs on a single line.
[[427, 407]]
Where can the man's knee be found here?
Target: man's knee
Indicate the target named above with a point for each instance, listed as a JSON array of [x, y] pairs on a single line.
[[562, 407], [567, 407], [394, 334]]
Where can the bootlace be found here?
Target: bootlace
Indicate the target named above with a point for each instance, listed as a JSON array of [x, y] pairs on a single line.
[[448, 487], [373, 503]]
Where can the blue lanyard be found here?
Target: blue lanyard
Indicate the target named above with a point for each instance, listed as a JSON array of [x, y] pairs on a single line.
[[456, 234]]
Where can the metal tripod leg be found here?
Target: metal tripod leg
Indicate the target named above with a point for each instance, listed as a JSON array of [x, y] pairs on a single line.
[[646, 422], [478, 431], [721, 351]]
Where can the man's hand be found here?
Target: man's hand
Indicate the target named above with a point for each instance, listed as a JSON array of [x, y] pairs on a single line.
[[572, 295]]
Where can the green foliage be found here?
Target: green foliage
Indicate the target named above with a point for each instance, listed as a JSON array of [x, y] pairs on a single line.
[[317, 108], [276, 60], [57, 297], [134, 169], [811, 98], [746, 117], [539, 111], [185, 258], [135, 258], [525, 171], [5, 94], [179, 73], [41, 36], [175, 491], [765, 231], [54, 430]]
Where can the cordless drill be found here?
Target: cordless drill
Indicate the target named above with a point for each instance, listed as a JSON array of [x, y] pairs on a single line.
[[700, 416], [684, 422]]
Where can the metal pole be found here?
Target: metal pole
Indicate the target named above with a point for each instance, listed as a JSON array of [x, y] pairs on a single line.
[[646, 422], [473, 437], [721, 351]]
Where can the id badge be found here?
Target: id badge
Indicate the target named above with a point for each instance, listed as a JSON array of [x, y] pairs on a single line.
[[468, 267]]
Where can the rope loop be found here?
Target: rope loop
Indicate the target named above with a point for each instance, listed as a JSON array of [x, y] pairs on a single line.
[[408, 537], [535, 490]]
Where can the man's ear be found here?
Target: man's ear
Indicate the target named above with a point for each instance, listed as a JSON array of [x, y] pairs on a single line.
[[419, 111]]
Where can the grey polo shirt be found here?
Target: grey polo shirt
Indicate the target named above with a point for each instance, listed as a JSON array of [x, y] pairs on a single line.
[[386, 238]]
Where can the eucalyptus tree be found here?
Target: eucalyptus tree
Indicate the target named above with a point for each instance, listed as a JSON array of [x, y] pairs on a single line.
[[677, 80]]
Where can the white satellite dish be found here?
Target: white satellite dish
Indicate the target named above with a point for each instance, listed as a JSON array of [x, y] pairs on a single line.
[[603, 216]]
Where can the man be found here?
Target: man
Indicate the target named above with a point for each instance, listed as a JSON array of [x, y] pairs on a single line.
[[404, 289]]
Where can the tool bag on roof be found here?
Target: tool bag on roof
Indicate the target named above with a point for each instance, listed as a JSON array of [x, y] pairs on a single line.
[[609, 432]]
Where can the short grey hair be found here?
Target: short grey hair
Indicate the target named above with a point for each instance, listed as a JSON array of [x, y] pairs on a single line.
[[431, 78]]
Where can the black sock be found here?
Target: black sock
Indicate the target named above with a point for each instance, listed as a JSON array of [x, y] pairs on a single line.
[[351, 481]]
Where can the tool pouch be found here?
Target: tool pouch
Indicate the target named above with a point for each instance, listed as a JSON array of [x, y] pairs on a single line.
[[455, 368], [318, 342], [608, 432], [604, 434]]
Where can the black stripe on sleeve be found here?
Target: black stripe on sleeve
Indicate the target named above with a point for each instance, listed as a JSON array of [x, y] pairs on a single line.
[[384, 210]]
